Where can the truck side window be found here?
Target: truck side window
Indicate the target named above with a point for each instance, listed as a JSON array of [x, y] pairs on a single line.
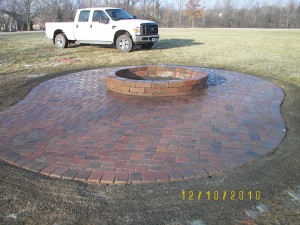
[[99, 14], [84, 16]]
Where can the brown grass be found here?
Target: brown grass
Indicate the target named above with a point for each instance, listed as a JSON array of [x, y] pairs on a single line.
[[27, 59]]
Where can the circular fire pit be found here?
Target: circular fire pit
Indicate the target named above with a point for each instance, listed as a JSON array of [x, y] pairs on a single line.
[[156, 80]]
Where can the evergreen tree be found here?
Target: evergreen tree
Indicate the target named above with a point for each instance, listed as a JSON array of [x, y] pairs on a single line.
[[59, 15]]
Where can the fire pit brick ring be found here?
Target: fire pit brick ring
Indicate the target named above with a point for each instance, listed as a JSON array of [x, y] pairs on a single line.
[[156, 80]]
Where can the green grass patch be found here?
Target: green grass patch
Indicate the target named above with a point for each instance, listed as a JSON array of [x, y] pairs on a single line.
[[27, 59]]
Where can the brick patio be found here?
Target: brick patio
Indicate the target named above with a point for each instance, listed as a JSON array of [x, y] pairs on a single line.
[[72, 127]]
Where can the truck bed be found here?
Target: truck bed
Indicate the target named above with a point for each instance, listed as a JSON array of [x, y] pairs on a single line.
[[67, 27]]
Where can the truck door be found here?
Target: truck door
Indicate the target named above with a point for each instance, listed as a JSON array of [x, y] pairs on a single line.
[[101, 30], [82, 26]]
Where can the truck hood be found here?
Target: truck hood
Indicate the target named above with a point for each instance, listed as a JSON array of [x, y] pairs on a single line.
[[135, 22]]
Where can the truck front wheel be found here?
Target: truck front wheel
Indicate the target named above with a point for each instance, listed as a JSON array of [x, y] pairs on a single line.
[[124, 43], [61, 40]]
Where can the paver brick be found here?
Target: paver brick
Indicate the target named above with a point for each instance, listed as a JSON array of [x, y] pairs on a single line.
[[38, 166], [143, 84], [210, 169], [175, 175], [59, 171], [162, 176], [49, 169], [148, 176], [187, 173], [70, 173], [135, 177], [108, 177], [159, 84], [121, 178], [200, 172], [82, 175], [137, 90], [176, 84], [153, 90], [108, 137], [95, 176]]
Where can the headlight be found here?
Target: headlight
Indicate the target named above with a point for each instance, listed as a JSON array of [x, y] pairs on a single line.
[[137, 30]]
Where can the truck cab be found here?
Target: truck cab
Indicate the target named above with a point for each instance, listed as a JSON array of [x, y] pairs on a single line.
[[111, 26]]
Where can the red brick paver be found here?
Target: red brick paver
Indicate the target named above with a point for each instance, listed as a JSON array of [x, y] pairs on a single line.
[[73, 127]]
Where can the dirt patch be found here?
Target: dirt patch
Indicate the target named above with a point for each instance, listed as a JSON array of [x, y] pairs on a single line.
[[35, 75], [68, 60]]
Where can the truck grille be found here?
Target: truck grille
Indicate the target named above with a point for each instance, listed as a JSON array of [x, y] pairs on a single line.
[[150, 28]]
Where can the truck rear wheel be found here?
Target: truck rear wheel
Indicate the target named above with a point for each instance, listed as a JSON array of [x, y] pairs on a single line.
[[61, 40], [124, 43]]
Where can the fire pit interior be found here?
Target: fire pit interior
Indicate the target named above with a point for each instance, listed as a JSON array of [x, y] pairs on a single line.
[[156, 80]]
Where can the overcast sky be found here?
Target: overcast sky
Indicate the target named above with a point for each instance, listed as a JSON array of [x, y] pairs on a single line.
[[211, 3]]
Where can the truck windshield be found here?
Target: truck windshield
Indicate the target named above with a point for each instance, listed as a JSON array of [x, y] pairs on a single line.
[[118, 14]]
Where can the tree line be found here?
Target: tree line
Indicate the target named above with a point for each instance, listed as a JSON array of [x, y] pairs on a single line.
[[178, 13]]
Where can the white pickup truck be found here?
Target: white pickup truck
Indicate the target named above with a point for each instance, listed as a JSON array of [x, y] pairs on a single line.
[[111, 26]]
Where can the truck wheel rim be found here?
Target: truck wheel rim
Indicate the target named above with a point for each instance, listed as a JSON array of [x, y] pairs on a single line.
[[124, 44], [59, 41]]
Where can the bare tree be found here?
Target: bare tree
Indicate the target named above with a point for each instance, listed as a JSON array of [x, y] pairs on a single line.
[[169, 16], [41, 10], [193, 10], [69, 9], [180, 5], [28, 10], [184, 13], [145, 9], [289, 13]]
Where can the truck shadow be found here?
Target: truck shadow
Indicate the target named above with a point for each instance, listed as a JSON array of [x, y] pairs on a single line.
[[175, 43], [161, 44]]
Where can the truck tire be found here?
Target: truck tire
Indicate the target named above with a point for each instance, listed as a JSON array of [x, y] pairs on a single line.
[[61, 40], [124, 43]]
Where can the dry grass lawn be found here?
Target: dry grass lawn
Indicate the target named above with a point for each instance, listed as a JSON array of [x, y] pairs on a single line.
[[27, 59]]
